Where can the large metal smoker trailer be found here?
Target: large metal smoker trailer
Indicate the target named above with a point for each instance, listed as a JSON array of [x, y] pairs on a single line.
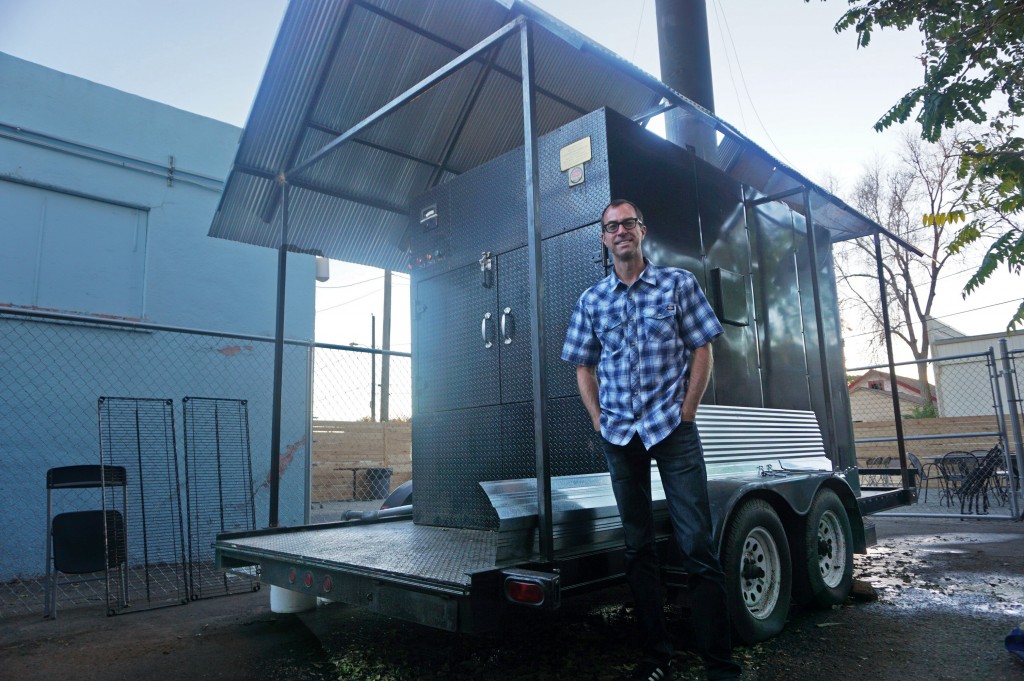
[[484, 536]]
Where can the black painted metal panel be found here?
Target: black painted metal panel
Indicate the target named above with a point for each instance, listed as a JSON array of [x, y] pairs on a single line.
[[660, 178], [778, 305], [724, 231]]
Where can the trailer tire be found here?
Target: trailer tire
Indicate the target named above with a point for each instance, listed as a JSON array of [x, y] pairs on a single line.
[[823, 554], [758, 572]]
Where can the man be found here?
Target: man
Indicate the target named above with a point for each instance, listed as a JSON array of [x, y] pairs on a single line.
[[641, 343]]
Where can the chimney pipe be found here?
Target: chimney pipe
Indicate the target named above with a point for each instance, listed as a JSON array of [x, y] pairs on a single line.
[[685, 57]]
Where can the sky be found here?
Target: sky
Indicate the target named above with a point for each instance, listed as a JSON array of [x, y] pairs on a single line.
[[783, 77]]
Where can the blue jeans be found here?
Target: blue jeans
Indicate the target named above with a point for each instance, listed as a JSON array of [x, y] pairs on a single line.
[[684, 477]]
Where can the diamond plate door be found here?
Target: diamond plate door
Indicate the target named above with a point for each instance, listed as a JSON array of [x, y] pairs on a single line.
[[455, 357], [514, 327]]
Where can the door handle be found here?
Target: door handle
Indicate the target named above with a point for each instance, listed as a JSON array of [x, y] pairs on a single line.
[[484, 323], [508, 325]]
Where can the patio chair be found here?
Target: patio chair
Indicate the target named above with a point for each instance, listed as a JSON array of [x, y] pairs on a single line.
[[964, 480], [995, 463], [925, 472], [870, 480]]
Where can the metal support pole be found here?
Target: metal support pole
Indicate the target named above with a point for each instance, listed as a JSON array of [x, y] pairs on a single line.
[[308, 478], [1018, 440], [275, 417], [385, 344], [812, 248], [897, 416], [540, 393]]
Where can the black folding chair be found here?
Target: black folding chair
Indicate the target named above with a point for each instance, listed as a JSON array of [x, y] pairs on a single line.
[[89, 541]]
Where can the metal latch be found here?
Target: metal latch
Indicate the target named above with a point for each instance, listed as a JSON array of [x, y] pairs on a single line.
[[487, 269]]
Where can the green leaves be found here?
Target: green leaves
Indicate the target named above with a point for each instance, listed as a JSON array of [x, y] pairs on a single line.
[[974, 73]]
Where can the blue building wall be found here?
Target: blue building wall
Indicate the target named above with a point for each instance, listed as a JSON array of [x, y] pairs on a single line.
[[105, 203]]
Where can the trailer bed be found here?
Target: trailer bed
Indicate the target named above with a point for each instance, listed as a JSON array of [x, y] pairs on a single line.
[[397, 549]]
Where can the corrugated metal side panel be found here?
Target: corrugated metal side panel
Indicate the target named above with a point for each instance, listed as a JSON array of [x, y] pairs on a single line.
[[730, 434]]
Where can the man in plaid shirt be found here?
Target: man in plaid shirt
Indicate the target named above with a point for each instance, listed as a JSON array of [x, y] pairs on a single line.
[[641, 343]]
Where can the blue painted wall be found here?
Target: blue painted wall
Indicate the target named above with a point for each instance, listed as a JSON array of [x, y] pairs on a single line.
[[78, 162]]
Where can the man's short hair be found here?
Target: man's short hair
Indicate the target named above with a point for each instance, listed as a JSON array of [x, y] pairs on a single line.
[[623, 202]]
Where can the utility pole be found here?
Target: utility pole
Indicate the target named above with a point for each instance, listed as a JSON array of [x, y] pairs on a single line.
[[385, 359]]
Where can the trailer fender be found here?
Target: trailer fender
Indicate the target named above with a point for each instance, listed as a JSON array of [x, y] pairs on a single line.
[[790, 496]]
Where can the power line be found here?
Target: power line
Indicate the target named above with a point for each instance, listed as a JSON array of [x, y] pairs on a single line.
[[402, 281], [743, 80], [357, 283], [365, 295], [636, 42], [728, 64]]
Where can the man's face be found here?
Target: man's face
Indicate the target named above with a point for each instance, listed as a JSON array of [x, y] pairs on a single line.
[[622, 243]]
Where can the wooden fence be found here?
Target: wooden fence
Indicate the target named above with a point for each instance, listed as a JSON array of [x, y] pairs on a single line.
[[359, 460], [925, 449]]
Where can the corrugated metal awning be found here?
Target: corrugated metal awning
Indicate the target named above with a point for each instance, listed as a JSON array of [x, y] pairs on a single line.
[[324, 119]]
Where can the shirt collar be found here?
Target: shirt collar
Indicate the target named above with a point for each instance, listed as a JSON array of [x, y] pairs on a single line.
[[648, 276]]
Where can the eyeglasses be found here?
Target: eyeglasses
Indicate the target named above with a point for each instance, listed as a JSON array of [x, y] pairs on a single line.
[[613, 226]]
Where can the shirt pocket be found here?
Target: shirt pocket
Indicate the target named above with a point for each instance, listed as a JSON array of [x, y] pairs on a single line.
[[660, 323], [611, 331]]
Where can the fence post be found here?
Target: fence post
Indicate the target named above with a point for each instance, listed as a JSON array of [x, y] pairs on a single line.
[[1011, 401]]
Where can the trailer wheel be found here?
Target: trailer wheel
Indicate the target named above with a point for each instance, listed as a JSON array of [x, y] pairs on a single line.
[[757, 568], [823, 551]]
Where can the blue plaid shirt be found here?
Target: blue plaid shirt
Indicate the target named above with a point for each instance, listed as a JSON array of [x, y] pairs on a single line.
[[640, 338]]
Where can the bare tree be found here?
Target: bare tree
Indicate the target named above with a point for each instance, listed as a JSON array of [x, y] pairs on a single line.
[[904, 196]]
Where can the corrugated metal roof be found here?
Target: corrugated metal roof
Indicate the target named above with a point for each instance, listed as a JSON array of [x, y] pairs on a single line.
[[337, 62]]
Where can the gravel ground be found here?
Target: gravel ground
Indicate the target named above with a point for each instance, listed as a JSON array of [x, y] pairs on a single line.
[[948, 591]]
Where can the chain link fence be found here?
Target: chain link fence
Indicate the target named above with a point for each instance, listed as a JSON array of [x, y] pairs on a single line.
[[957, 427], [362, 429], [57, 367]]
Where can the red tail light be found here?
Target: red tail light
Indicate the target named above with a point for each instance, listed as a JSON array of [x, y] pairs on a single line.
[[528, 593]]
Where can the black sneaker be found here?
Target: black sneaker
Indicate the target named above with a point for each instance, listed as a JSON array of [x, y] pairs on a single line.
[[652, 671]]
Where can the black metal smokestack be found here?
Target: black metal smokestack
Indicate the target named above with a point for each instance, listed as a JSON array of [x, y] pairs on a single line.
[[686, 67]]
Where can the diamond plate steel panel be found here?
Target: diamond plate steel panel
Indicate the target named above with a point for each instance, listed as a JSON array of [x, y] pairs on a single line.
[[488, 207], [575, 447], [453, 452], [452, 368], [572, 263], [518, 458], [564, 208], [397, 548]]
